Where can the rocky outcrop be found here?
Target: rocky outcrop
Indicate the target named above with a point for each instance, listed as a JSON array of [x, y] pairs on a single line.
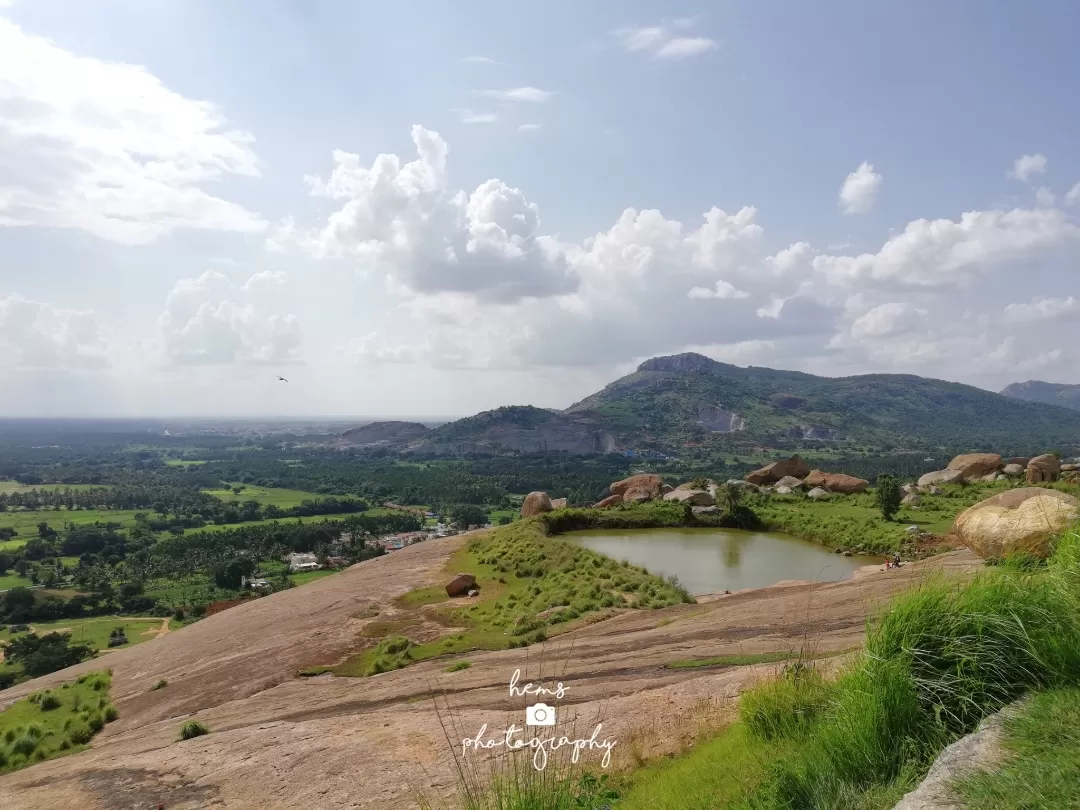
[[608, 502], [694, 497], [382, 434], [709, 484], [940, 477], [461, 584], [819, 494], [1013, 470], [782, 490], [1018, 520], [790, 481], [975, 465], [647, 484], [914, 499], [535, 503], [771, 473], [1043, 469], [523, 429], [718, 420], [558, 503], [836, 482], [1021, 460]]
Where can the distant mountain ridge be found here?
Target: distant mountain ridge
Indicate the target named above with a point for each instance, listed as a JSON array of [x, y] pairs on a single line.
[[1062, 394], [688, 399]]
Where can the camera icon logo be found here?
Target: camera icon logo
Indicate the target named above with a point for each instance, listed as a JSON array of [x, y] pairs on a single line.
[[540, 714]]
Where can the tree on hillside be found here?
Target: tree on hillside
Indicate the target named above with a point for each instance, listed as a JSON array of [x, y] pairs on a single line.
[[40, 655], [464, 515], [888, 496]]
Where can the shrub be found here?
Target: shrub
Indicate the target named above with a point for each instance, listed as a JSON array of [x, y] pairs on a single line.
[[159, 684], [79, 733], [96, 722], [49, 701], [110, 713], [26, 744], [458, 666], [192, 729]]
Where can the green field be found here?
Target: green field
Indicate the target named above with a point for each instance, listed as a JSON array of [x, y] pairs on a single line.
[[13, 580], [95, 631], [15, 486], [176, 462], [283, 498], [305, 577]]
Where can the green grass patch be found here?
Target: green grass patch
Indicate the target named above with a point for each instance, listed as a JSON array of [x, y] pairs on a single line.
[[1042, 772], [743, 660], [457, 666], [54, 722], [13, 580], [176, 462], [192, 729], [96, 631], [283, 498], [524, 569], [305, 577]]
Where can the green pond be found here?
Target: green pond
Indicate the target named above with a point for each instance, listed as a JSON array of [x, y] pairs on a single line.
[[711, 560]]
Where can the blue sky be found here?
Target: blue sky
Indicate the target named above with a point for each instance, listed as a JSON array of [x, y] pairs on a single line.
[[154, 263]]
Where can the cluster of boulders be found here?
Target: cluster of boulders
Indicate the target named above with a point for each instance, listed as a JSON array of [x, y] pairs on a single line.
[[791, 475], [536, 503], [992, 467]]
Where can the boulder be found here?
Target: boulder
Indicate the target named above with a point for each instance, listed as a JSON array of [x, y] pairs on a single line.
[[1018, 520], [535, 503], [912, 531], [1070, 468], [790, 481], [933, 490], [782, 490], [738, 483], [558, 503], [909, 489], [706, 510], [836, 482], [914, 499], [817, 494], [649, 484], [1043, 468], [992, 476], [1021, 460], [666, 488], [639, 495], [1013, 470], [771, 473], [975, 465], [941, 477], [461, 585], [694, 497], [608, 502]]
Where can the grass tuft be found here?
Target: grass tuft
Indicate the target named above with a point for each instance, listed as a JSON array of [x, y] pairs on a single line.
[[192, 729]]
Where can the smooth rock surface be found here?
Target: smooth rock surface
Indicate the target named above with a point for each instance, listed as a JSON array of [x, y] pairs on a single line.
[[1018, 520]]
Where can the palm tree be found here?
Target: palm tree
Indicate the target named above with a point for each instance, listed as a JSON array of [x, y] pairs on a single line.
[[728, 497]]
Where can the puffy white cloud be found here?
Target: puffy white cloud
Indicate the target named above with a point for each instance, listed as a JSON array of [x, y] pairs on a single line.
[[944, 252], [210, 320], [860, 189], [530, 94], [1043, 309], [888, 320], [792, 259], [405, 219], [105, 147], [40, 335], [369, 350], [722, 289], [1027, 166], [661, 42]]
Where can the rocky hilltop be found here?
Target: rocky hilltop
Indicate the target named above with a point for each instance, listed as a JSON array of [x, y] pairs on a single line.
[[1066, 396], [687, 399]]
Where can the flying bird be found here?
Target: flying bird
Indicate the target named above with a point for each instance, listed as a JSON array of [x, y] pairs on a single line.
[[282, 379]]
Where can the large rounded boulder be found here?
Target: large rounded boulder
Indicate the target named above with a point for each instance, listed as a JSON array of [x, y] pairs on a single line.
[[940, 477], [694, 497], [1044, 468], [975, 465], [836, 482], [535, 503], [1018, 520], [771, 473], [638, 488]]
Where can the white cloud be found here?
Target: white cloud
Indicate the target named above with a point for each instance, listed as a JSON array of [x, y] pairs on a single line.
[[405, 219], [1073, 196], [943, 253], [860, 189], [105, 147], [1043, 309], [794, 258], [370, 351], [888, 320], [531, 94], [722, 289], [660, 43], [1044, 197], [528, 127], [209, 320], [773, 308], [470, 117], [1027, 166], [480, 60], [40, 335]]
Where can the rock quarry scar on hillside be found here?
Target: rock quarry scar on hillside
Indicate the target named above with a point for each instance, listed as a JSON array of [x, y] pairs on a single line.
[[281, 741]]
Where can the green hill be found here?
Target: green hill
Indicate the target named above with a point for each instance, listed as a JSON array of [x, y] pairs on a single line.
[[1067, 396]]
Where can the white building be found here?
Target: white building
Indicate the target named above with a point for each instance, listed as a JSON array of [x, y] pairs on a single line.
[[302, 562]]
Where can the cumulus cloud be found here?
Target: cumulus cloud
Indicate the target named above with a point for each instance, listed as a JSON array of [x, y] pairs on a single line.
[[1043, 309], [209, 320], [530, 94], [860, 189], [661, 41], [106, 148], [722, 289], [1027, 166], [40, 335], [405, 218], [370, 350]]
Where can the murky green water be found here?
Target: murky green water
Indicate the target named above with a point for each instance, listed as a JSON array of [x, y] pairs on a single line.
[[710, 560]]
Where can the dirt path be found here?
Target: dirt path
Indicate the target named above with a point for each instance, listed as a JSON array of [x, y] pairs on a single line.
[[279, 741]]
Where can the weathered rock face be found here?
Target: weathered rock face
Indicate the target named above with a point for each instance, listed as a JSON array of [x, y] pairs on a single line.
[[378, 434], [941, 477], [666, 488], [914, 499], [638, 495], [461, 585], [1021, 460], [1019, 520], [1070, 468], [790, 481], [819, 494], [975, 465], [909, 489], [558, 503], [782, 490], [1013, 470], [608, 502], [738, 483], [535, 503], [1042, 469], [651, 485], [836, 482], [719, 421], [793, 466], [694, 497]]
